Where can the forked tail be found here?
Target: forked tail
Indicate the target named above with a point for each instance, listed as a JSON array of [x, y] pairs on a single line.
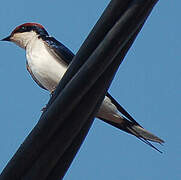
[[130, 126], [136, 130]]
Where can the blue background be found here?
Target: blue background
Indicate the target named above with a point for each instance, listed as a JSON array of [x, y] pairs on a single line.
[[147, 84]]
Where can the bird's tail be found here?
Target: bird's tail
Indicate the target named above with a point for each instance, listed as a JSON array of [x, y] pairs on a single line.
[[136, 130], [130, 126]]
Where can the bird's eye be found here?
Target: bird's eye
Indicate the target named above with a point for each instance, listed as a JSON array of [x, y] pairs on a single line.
[[23, 27]]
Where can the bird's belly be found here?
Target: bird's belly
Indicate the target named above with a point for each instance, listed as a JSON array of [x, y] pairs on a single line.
[[46, 69]]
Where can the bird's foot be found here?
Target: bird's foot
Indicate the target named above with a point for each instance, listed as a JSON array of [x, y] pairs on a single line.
[[52, 93], [44, 108]]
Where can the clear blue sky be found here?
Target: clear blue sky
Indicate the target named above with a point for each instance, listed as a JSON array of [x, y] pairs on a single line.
[[148, 85]]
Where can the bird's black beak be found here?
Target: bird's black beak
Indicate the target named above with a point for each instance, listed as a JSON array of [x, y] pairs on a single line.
[[6, 39]]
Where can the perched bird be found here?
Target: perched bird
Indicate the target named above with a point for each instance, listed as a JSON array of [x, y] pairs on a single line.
[[48, 60]]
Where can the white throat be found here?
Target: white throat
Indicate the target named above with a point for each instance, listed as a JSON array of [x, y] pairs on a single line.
[[22, 39]]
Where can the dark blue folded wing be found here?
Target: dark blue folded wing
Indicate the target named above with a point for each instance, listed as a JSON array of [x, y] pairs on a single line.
[[59, 49]]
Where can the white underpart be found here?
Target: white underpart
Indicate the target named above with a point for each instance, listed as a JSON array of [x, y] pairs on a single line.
[[48, 71], [43, 65], [109, 111]]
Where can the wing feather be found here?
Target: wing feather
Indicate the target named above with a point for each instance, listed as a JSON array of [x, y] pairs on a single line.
[[59, 50]]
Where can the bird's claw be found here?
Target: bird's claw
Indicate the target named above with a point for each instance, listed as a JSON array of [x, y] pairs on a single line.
[[44, 109]]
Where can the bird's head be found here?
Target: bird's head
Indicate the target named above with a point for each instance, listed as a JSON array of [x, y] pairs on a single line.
[[24, 33]]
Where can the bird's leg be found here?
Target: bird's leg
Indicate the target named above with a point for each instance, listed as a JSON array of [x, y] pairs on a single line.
[[51, 94], [44, 108]]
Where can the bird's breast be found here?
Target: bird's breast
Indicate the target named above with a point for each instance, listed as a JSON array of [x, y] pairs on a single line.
[[47, 70]]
